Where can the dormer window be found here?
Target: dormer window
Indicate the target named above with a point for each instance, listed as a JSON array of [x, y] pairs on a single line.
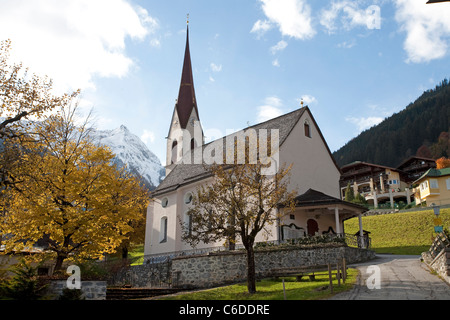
[[307, 129]]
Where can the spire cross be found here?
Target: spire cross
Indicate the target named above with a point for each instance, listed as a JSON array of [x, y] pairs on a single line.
[[187, 21]]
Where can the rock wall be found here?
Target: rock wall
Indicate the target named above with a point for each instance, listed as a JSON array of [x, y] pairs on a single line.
[[221, 268], [440, 264], [230, 267], [143, 276], [92, 290]]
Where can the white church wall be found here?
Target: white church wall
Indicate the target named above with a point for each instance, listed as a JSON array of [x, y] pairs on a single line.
[[313, 167]]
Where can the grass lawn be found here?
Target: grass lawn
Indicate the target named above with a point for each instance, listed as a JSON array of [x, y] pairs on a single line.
[[272, 289], [400, 233], [136, 255]]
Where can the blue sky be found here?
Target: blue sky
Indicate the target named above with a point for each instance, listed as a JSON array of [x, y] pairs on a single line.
[[353, 62]]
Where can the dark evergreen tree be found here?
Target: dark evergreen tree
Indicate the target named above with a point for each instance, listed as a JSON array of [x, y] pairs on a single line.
[[401, 135]]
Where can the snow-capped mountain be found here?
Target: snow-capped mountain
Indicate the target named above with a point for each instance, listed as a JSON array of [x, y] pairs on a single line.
[[130, 150]]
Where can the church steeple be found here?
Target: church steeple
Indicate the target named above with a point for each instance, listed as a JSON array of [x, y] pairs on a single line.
[[185, 131], [186, 97]]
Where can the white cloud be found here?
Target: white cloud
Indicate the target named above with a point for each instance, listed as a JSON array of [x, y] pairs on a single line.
[[155, 43], [280, 46], [148, 137], [273, 101], [293, 18], [270, 110], [276, 63], [364, 123], [215, 67], [308, 99], [351, 15], [427, 29], [261, 27], [347, 44], [72, 41]]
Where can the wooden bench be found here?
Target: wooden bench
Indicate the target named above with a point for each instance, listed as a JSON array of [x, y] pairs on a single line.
[[299, 272], [310, 271]]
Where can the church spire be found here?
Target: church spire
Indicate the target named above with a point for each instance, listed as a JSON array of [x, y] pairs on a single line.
[[185, 117], [186, 97]]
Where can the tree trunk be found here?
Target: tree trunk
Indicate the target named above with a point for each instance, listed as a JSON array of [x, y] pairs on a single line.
[[124, 253], [59, 261], [251, 276]]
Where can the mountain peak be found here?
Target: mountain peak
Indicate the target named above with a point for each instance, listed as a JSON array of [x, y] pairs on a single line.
[[132, 152]]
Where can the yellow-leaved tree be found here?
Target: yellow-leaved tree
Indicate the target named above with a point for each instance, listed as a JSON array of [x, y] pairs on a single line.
[[70, 193], [23, 97]]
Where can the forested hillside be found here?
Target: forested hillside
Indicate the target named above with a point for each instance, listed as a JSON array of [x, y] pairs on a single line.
[[422, 129]]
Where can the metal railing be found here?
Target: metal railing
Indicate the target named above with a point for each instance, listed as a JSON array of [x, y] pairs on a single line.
[[350, 240]]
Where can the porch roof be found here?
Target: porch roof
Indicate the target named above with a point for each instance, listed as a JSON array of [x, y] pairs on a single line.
[[313, 198]]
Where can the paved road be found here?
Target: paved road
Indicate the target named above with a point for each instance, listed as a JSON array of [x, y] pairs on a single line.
[[401, 278]]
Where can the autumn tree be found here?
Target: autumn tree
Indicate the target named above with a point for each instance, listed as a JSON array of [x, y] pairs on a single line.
[[71, 194], [442, 147], [22, 98], [442, 163], [238, 204]]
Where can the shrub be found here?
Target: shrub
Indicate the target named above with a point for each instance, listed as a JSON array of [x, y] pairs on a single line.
[[24, 285]]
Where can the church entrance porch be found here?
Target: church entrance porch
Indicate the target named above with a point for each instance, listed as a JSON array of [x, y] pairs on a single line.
[[318, 214]]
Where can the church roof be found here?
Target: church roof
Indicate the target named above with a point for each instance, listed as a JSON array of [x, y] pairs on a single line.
[[315, 198], [186, 97], [183, 174]]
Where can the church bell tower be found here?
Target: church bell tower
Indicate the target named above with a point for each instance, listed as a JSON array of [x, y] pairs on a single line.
[[185, 131]]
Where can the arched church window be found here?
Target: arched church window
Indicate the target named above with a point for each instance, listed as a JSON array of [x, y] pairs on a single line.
[[174, 151], [188, 222], [188, 198], [307, 129], [165, 202], [163, 230]]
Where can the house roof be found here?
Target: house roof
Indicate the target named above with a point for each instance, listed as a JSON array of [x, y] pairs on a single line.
[[356, 163], [435, 173], [183, 174], [316, 198], [413, 158]]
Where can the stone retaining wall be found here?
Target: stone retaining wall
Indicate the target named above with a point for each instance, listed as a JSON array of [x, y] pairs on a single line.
[[220, 268], [440, 264], [92, 290], [230, 267], [143, 276]]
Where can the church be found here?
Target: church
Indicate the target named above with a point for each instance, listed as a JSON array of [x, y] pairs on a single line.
[[314, 175]]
